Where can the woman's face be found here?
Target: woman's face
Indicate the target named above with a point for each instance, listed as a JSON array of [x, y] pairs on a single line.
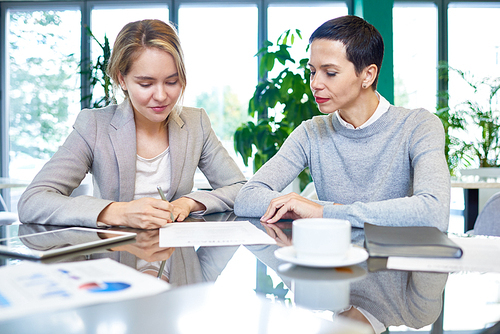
[[153, 85], [334, 82]]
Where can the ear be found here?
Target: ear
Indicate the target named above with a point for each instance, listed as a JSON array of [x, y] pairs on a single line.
[[369, 74], [121, 80]]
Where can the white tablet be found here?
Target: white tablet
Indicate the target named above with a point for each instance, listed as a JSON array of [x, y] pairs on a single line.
[[62, 241]]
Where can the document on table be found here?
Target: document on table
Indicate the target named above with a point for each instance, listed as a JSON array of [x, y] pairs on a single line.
[[480, 254], [230, 233], [31, 287]]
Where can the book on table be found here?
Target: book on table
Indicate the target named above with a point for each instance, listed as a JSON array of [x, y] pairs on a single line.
[[409, 241]]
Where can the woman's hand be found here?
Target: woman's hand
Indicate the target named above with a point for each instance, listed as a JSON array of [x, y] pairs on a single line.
[[144, 213], [147, 246], [275, 231], [184, 206], [291, 206]]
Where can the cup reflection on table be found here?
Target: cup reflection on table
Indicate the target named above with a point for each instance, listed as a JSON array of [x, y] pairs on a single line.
[[326, 289], [321, 295]]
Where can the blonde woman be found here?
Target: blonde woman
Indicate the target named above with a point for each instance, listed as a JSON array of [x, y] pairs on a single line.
[[149, 140]]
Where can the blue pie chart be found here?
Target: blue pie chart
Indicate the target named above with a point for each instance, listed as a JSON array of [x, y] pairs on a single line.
[[105, 287]]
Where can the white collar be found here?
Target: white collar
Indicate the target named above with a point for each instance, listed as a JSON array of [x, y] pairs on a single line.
[[382, 107]]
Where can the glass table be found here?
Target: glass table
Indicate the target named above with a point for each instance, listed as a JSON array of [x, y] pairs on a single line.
[[246, 289]]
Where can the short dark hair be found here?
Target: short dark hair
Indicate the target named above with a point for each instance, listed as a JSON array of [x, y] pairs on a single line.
[[364, 44]]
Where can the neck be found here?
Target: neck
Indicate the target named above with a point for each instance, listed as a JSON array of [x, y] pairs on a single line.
[[365, 107], [146, 126]]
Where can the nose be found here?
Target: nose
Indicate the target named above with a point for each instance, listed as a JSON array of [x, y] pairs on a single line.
[[160, 93], [315, 83]]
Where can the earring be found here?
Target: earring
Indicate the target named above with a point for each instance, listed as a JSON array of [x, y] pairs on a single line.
[[364, 86]]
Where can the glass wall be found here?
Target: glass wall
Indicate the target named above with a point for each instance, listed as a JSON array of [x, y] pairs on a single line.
[[220, 62], [221, 66], [43, 85], [282, 17], [474, 57], [220, 40], [415, 55]]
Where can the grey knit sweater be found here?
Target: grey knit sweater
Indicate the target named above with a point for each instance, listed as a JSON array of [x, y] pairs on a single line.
[[392, 172]]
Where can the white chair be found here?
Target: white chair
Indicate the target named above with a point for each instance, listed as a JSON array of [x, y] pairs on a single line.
[[488, 220], [309, 192], [6, 217]]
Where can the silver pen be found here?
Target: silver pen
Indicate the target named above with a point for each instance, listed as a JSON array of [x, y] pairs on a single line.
[[162, 265], [162, 195]]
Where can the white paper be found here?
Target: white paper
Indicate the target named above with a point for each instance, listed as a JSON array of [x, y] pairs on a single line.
[[31, 287], [480, 254], [230, 233]]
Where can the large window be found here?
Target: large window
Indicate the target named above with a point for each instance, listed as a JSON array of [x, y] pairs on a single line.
[[42, 53], [109, 20], [43, 82], [473, 44], [220, 62], [221, 67], [474, 51], [415, 55], [282, 17]]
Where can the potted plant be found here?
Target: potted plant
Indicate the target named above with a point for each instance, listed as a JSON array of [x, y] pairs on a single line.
[[97, 76], [279, 104], [472, 126]]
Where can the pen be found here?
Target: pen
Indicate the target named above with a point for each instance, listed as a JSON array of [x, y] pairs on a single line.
[[162, 265], [162, 195]]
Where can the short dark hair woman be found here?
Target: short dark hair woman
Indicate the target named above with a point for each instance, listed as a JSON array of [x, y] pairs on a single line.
[[370, 161]]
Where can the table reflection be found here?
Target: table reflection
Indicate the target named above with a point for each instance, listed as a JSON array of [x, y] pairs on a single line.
[[394, 298], [386, 298]]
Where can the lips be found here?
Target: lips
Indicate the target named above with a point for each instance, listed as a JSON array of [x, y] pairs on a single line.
[[320, 100], [159, 109]]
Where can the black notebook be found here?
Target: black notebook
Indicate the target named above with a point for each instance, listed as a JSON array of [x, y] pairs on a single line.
[[412, 241]]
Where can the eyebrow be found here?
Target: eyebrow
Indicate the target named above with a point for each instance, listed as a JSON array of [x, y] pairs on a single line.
[[139, 77], [326, 66]]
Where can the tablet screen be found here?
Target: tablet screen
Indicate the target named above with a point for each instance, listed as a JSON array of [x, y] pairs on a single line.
[[61, 241]]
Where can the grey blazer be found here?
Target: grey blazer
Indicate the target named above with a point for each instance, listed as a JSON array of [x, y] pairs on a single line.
[[103, 143]]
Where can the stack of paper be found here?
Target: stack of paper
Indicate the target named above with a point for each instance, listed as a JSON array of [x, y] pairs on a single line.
[[480, 254]]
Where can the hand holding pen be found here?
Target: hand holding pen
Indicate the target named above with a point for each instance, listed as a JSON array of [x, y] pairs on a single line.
[[162, 195], [182, 206], [162, 265]]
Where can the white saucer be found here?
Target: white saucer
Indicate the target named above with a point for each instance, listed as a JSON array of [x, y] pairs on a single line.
[[355, 255], [340, 274]]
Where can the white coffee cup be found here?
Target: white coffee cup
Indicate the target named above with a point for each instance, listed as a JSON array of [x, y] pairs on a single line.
[[321, 239]]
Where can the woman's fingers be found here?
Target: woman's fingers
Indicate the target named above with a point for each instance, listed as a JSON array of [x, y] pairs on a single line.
[[149, 213], [291, 206], [274, 205], [283, 209]]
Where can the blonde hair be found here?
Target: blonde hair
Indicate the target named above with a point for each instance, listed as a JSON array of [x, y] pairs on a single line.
[[139, 35]]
